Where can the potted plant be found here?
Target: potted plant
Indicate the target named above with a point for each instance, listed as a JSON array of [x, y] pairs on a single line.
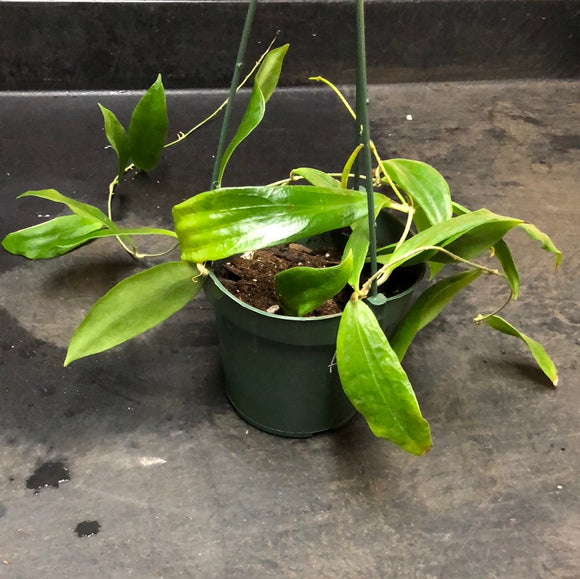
[[354, 365]]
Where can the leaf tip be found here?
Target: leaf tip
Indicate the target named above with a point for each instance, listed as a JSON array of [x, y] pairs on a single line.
[[427, 450]]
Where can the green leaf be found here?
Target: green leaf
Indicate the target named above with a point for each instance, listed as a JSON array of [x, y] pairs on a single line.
[[117, 137], [459, 209], [358, 245], [317, 178], [504, 256], [417, 248], [148, 127], [224, 222], [264, 85], [120, 233], [538, 352], [348, 166], [133, 306], [85, 210], [424, 184], [434, 269], [375, 382], [51, 238], [269, 71], [476, 241], [546, 242], [427, 307], [302, 289]]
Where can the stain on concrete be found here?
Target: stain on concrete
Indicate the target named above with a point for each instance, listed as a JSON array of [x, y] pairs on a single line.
[[48, 474], [88, 528]]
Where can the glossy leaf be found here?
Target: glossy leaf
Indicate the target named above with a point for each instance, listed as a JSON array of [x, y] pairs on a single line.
[[538, 352], [121, 232], [302, 289], [148, 127], [358, 245], [424, 184], [51, 238], [133, 306], [117, 137], [504, 256], [375, 382], [225, 222], [85, 210], [546, 242], [477, 241], [416, 248], [502, 253], [264, 85], [317, 178], [427, 307]]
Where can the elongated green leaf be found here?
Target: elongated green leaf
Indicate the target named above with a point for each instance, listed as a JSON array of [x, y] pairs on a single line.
[[264, 85], [538, 352], [546, 242], [477, 241], [424, 184], [416, 248], [117, 137], [427, 307], [317, 178], [269, 71], [348, 166], [85, 210], [375, 382], [148, 127], [51, 238], [459, 209], [506, 260], [133, 306], [302, 289], [224, 222], [503, 254], [434, 269], [358, 245], [76, 241]]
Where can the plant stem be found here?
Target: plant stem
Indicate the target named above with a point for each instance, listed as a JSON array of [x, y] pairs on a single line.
[[480, 317], [235, 79], [363, 121], [408, 224], [337, 92], [182, 135]]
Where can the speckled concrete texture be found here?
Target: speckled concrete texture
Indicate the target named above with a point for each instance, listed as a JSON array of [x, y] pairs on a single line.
[[180, 486]]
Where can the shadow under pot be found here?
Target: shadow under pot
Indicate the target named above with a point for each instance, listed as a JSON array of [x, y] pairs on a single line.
[[280, 371]]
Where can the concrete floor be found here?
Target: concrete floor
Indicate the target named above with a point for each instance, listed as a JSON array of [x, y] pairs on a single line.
[[180, 486]]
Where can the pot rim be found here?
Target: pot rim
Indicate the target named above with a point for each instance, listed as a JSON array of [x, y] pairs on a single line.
[[310, 319]]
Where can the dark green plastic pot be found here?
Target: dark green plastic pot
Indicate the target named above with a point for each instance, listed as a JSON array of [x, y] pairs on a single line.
[[280, 371]]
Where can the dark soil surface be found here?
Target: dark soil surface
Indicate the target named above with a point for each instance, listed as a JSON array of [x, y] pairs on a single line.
[[251, 277]]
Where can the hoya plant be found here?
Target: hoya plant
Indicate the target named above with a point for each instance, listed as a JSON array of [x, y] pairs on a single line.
[[226, 221]]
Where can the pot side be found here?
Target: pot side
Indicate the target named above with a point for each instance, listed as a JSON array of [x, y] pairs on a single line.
[[280, 371]]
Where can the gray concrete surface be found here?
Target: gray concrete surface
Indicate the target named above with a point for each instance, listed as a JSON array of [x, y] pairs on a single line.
[[180, 486]]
